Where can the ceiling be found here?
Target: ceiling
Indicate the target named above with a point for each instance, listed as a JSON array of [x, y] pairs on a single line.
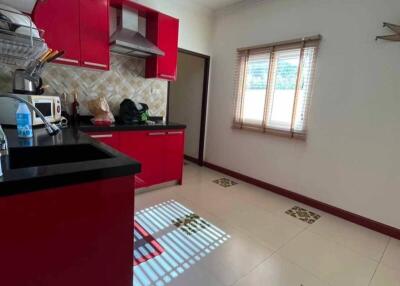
[[216, 4]]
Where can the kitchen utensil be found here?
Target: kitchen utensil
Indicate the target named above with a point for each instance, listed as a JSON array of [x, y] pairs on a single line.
[[52, 54], [42, 57], [23, 83], [55, 56]]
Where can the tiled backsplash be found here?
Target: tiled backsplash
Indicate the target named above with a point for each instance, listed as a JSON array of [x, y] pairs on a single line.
[[124, 80]]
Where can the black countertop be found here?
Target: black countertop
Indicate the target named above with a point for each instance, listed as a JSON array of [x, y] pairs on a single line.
[[28, 179], [88, 127]]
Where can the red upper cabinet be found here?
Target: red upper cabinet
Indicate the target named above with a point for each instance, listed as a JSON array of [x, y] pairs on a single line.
[[78, 27], [163, 31], [60, 21], [94, 31]]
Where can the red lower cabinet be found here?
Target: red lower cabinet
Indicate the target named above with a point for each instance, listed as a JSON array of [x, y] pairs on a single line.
[[175, 141], [72, 235], [160, 153]]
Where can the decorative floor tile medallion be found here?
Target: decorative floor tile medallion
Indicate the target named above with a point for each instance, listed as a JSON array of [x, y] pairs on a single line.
[[191, 223], [303, 214], [225, 182]]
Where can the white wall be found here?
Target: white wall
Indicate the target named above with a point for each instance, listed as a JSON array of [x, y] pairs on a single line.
[[185, 100], [352, 156], [196, 22]]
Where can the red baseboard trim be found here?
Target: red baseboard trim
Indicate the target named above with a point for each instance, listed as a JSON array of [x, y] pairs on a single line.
[[192, 159], [354, 218]]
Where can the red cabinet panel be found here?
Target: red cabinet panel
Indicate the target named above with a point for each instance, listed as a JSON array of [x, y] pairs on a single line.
[[94, 31], [174, 145], [160, 152], [78, 27], [72, 235], [133, 144], [60, 20], [156, 157], [163, 30]]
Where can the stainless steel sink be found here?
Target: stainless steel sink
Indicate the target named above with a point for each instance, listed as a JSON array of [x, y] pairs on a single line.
[[51, 155]]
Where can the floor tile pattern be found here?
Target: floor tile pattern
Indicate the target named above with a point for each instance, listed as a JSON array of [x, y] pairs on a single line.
[[181, 251], [191, 223], [224, 182], [303, 214], [266, 246]]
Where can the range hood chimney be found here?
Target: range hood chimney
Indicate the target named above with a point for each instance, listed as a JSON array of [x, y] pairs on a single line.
[[127, 39]]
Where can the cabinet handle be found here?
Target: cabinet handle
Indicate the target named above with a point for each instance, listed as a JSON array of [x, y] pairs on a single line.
[[157, 134], [68, 60], [94, 64], [102, 136], [167, 76], [175, 133]]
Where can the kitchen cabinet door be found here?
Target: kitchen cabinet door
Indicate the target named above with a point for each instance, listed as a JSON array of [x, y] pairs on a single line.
[[60, 20], [94, 33], [163, 30], [174, 144], [156, 163], [134, 145]]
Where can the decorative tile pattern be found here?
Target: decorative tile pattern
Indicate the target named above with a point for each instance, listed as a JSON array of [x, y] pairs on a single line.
[[190, 223], [303, 214], [181, 252], [224, 182], [125, 79]]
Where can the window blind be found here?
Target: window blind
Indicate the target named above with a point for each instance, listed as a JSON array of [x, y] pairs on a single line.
[[274, 86]]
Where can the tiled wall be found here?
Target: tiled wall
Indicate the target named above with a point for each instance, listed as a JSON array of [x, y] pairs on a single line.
[[124, 80]]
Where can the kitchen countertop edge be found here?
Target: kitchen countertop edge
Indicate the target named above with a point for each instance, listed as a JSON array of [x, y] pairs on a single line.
[[32, 179]]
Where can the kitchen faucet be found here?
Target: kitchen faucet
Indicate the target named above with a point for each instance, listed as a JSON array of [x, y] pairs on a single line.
[[51, 129], [3, 142]]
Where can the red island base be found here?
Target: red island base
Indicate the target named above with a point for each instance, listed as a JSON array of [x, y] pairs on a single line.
[[74, 235]]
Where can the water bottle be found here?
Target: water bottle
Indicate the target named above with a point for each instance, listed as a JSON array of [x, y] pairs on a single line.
[[24, 121]]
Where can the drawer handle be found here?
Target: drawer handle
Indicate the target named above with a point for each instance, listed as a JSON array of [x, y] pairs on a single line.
[[175, 133], [94, 64], [102, 136], [157, 134], [68, 60], [167, 76]]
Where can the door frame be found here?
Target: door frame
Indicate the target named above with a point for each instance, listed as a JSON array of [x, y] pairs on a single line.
[[204, 102]]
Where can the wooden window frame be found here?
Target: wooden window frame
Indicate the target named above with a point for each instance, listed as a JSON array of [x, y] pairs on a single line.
[[240, 84]]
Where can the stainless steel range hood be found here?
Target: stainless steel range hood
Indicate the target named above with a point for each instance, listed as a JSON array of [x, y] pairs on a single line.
[[127, 39]]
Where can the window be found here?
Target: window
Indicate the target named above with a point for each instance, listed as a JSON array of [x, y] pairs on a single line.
[[274, 86]]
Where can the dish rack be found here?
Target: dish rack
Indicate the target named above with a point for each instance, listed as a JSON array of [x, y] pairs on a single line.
[[20, 49]]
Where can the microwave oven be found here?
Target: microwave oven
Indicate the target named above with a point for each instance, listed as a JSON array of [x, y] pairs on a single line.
[[50, 106]]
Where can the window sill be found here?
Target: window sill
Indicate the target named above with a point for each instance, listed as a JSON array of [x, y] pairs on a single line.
[[271, 131]]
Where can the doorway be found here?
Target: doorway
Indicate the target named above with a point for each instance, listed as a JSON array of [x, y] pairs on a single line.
[[187, 101]]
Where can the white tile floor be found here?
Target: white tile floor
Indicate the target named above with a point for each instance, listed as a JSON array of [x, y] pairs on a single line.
[[269, 247]]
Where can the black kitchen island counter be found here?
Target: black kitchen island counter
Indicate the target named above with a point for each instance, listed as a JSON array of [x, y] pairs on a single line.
[[60, 162], [88, 127]]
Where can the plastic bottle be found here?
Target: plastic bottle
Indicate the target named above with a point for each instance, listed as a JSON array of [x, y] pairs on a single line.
[[24, 121], [75, 111]]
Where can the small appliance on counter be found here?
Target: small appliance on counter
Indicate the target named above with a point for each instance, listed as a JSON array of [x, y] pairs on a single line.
[[131, 112], [50, 106]]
